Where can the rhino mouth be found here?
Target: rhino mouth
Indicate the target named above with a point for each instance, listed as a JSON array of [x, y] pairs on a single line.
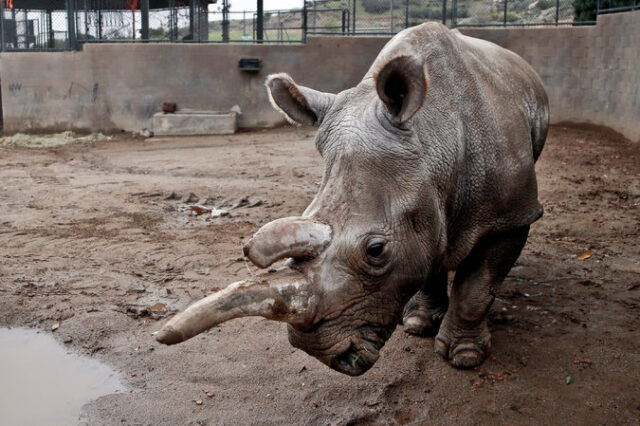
[[355, 361], [353, 355]]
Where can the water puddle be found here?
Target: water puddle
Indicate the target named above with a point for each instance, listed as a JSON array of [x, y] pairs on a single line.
[[41, 382]]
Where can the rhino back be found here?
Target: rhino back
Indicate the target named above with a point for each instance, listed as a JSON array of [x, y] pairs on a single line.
[[482, 126]]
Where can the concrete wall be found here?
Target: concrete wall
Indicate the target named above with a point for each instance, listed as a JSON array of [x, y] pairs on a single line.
[[592, 74], [110, 87]]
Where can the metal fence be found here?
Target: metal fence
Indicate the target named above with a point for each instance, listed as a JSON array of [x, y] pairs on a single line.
[[48, 27], [611, 6]]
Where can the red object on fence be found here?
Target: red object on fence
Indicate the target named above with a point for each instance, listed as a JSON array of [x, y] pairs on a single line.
[[131, 4], [9, 3]]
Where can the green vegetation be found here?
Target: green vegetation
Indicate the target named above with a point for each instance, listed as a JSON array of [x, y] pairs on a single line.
[[585, 10]]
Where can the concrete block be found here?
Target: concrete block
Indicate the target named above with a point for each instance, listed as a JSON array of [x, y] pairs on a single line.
[[192, 123]]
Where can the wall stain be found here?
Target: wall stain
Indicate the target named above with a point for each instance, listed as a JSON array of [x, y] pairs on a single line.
[[93, 91], [14, 88]]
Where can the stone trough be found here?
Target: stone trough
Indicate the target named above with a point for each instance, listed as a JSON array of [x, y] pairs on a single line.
[[192, 123]]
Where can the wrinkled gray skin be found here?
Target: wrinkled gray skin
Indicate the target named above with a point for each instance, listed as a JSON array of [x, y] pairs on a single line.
[[429, 168]]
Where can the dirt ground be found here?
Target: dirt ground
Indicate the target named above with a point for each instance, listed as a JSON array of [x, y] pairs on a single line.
[[101, 238]]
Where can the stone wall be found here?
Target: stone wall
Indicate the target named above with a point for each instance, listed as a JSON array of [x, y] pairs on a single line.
[[112, 87], [592, 74]]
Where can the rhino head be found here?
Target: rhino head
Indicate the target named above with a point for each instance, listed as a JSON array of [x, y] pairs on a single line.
[[367, 241]]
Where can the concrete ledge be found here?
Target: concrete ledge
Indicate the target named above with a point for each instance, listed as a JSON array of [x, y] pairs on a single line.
[[192, 123]]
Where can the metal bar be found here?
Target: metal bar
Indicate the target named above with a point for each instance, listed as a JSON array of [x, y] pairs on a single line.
[[100, 24], [354, 18], [391, 14], [72, 42], [2, 44], [52, 34], [406, 13], [505, 14], [444, 12], [304, 22], [144, 20], [454, 16], [260, 21], [558, 11], [528, 24], [192, 12], [225, 21], [173, 21], [344, 20]]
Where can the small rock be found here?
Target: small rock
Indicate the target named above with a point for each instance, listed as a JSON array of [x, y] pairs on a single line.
[[55, 326], [198, 402], [219, 213], [208, 201], [190, 198], [67, 340], [137, 288], [146, 133], [255, 204], [172, 196], [244, 201], [211, 394]]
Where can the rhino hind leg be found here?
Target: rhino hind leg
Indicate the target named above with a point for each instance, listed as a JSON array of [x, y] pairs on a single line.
[[423, 313], [464, 338]]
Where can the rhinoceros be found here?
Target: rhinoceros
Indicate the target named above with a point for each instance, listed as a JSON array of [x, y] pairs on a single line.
[[428, 169]]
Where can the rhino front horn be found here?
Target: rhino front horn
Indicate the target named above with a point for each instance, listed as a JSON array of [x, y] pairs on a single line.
[[296, 237], [284, 295]]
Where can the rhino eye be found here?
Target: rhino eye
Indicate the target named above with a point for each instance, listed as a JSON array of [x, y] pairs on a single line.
[[375, 248]]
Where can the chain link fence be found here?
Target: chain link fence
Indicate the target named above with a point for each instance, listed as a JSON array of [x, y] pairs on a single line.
[[44, 24]]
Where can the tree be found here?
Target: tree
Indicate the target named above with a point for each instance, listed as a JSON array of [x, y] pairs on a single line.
[[585, 10]]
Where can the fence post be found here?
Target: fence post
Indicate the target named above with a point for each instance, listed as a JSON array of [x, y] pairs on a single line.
[[52, 34], [304, 22], [504, 19], [225, 21], [391, 19], [71, 25], [260, 22], [1, 25], [354, 18], [192, 27], [406, 14], [454, 14], [173, 21], [344, 20], [99, 24], [144, 20], [444, 12]]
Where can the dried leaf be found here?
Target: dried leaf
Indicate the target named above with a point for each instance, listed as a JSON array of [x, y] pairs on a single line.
[[200, 210], [584, 256], [158, 307]]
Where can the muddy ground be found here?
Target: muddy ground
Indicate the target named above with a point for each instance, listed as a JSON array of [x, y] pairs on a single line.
[[93, 239]]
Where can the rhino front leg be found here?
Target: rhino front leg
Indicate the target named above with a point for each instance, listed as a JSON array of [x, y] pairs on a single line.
[[424, 312], [464, 337]]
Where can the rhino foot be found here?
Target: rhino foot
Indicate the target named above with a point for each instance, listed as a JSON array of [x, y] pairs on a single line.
[[464, 352], [422, 323], [424, 312]]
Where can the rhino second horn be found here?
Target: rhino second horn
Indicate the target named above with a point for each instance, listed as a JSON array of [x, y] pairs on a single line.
[[295, 237], [284, 295]]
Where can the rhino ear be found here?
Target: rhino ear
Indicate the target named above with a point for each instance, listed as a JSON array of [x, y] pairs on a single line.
[[402, 85], [300, 105]]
